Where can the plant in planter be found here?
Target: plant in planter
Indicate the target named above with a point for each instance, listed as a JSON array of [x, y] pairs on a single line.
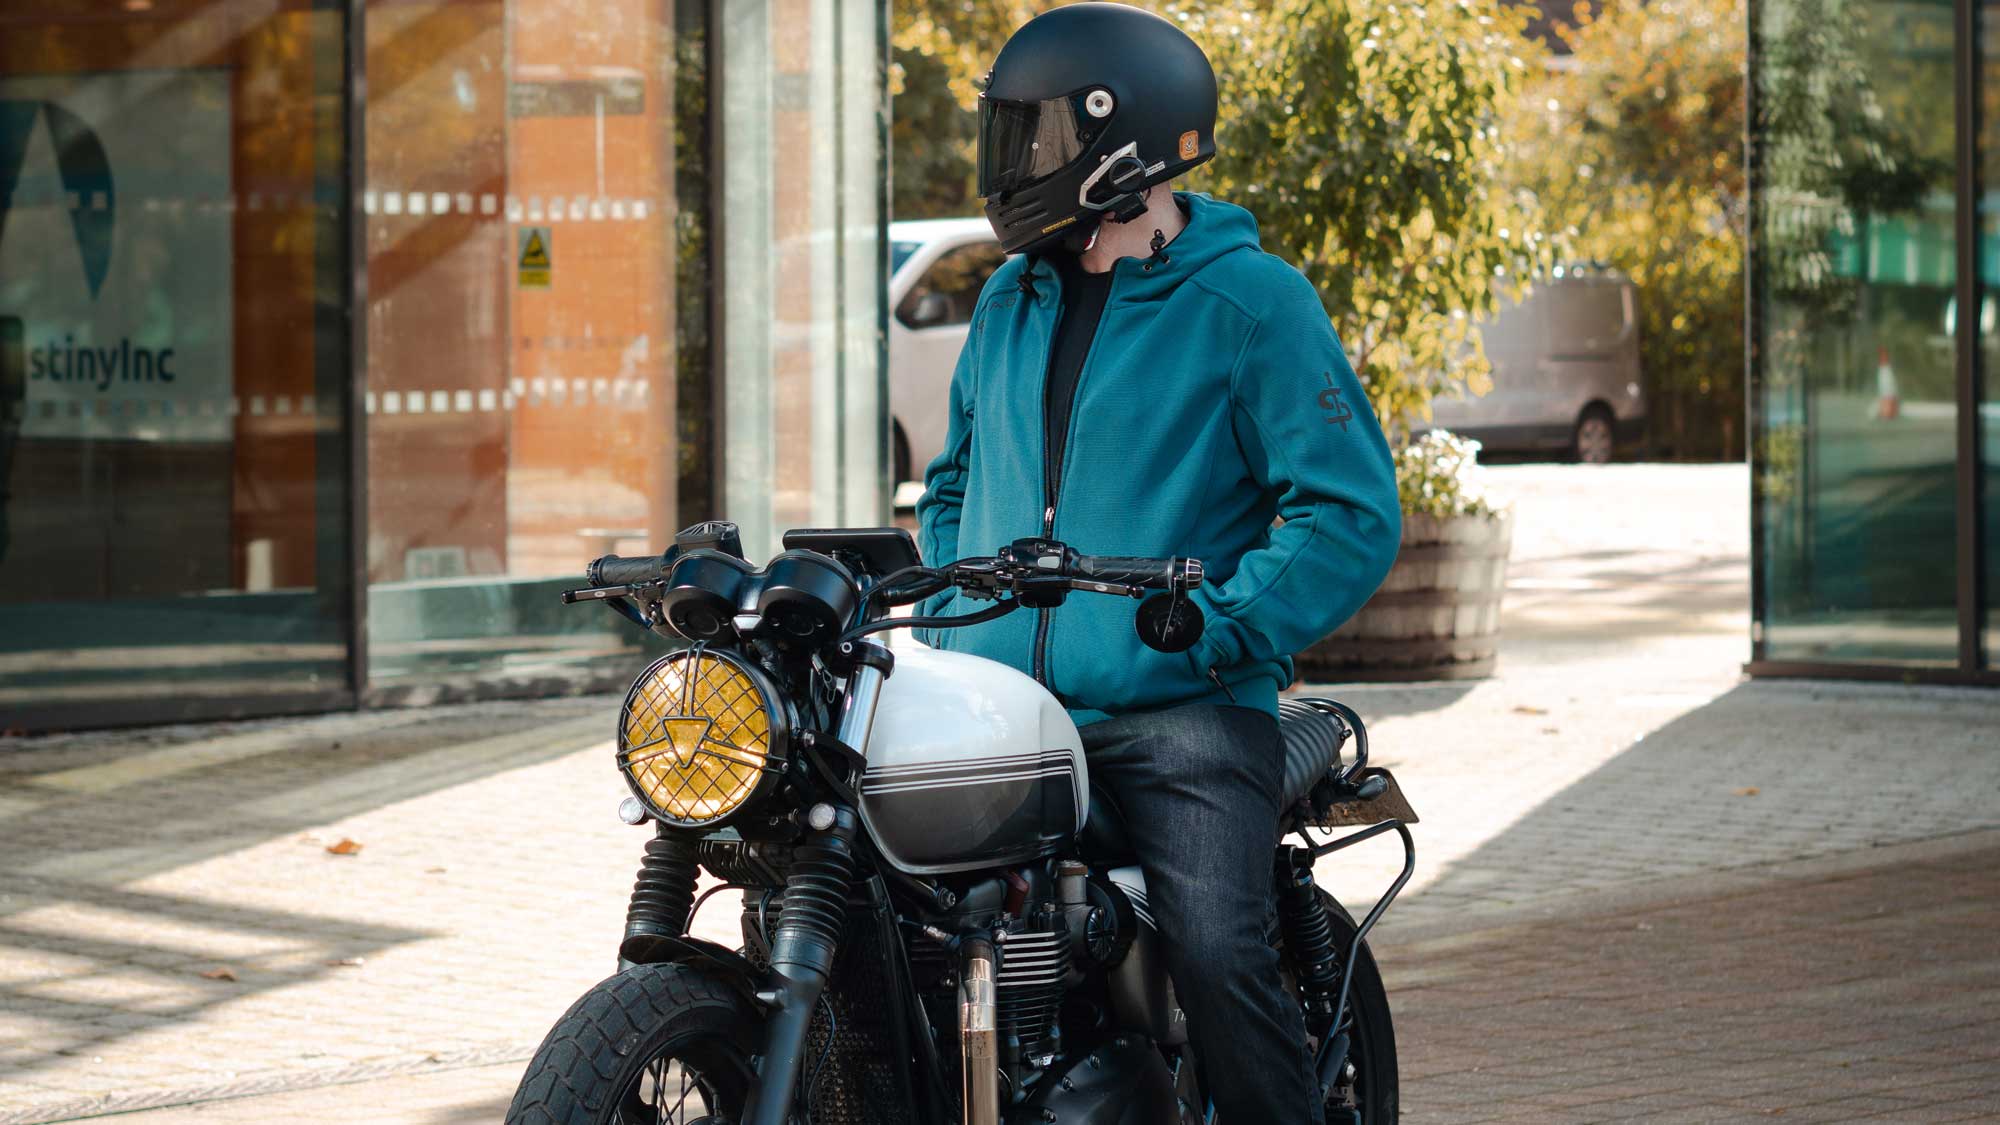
[[1437, 615]]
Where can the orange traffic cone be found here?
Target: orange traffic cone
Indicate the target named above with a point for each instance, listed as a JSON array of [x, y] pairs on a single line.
[[1888, 403]]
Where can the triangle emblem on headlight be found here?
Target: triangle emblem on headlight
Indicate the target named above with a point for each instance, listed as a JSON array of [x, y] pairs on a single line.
[[685, 734]]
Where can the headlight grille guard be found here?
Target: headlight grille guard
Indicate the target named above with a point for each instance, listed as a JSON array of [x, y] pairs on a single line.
[[696, 736]]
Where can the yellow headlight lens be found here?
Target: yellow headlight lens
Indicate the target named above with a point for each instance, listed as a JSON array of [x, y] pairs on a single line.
[[696, 737]]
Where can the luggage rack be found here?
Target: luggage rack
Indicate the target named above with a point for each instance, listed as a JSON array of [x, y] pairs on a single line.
[[1356, 791]]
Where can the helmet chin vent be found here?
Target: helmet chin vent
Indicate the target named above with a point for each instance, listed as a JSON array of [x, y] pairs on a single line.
[[1025, 213]]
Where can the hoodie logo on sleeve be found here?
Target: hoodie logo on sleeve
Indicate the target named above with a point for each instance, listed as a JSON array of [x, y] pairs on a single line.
[[1337, 411]]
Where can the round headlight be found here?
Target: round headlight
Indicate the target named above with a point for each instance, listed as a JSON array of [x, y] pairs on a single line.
[[701, 733]]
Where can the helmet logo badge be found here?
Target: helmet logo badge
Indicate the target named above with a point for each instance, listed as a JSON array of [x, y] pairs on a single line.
[[1190, 145]]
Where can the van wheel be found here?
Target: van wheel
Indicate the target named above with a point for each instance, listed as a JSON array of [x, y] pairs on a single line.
[[1594, 440], [901, 442]]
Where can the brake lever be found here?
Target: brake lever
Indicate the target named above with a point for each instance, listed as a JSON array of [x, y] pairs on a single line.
[[1092, 585]]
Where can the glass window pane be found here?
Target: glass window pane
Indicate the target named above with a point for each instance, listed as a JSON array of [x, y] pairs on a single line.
[[537, 324], [1989, 327], [173, 360], [955, 279], [802, 90], [1855, 461]]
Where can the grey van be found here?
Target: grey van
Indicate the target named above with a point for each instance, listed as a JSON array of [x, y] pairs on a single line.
[[1565, 370]]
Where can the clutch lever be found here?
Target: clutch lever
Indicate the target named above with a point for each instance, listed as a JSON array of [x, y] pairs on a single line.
[[618, 598], [606, 593]]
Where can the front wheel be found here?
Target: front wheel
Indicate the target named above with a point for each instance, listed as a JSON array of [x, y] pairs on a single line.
[[655, 1044], [1366, 1091]]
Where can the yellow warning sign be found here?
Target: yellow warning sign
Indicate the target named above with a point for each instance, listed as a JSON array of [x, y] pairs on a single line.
[[533, 263]]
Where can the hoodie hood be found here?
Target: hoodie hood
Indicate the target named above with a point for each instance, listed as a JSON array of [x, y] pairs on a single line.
[[1214, 229]]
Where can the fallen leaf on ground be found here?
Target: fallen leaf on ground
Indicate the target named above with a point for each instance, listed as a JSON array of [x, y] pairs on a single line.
[[1748, 791], [344, 847], [345, 963], [219, 973], [1524, 709]]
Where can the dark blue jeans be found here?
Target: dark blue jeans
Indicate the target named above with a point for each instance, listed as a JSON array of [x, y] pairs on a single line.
[[1200, 788]]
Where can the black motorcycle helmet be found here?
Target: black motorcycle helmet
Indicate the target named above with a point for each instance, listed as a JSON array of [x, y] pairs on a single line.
[[1087, 106]]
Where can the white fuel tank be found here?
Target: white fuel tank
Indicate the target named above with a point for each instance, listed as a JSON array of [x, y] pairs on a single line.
[[970, 764]]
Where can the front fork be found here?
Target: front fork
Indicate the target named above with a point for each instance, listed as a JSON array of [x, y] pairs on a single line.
[[802, 953], [815, 909]]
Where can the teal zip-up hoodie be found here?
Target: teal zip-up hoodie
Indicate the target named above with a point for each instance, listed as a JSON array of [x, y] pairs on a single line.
[[1214, 402]]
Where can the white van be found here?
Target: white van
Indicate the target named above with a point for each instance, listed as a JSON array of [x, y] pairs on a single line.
[[1565, 371]]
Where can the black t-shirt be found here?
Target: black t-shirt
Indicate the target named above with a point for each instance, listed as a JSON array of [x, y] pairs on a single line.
[[1083, 296]]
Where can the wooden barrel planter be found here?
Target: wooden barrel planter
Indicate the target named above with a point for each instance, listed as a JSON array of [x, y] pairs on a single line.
[[1437, 614]]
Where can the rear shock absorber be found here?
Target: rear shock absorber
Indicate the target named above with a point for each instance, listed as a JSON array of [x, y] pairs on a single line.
[[1308, 935], [662, 895], [802, 953]]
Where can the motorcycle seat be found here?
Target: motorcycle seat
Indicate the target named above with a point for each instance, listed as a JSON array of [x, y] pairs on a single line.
[[1312, 740]]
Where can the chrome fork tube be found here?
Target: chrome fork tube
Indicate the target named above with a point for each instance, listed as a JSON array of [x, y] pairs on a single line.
[[977, 1034], [864, 692]]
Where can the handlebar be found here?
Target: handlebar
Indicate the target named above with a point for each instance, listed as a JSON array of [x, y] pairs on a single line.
[[612, 570], [1147, 574], [1027, 573], [1024, 561]]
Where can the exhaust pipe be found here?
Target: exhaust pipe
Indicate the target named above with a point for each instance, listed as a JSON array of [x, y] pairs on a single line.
[[977, 1035]]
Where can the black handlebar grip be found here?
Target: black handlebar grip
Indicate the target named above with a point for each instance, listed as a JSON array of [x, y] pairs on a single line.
[[1152, 574], [614, 571]]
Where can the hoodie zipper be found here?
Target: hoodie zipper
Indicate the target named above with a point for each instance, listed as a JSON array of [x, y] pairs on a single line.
[[1052, 467]]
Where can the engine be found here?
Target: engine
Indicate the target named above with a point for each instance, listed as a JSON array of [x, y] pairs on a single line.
[[1071, 969], [1032, 971]]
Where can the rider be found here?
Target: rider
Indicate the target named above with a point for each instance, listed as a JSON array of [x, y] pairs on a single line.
[[1141, 379]]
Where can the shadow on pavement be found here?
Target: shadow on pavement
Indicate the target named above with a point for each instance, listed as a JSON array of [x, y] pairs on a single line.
[[87, 821], [1375, 701]]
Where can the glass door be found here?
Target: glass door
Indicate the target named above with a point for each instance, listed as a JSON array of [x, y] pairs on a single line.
[[1856, 466]]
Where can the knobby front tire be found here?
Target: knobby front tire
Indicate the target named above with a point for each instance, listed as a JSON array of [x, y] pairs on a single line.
[[658, 1044]]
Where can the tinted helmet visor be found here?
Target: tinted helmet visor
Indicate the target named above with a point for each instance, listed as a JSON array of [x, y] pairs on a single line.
[[1023, 143]]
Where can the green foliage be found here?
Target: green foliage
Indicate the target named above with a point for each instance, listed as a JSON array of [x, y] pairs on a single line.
[[1438, 474], [1364, 134], [1633, 153], [933, 139]]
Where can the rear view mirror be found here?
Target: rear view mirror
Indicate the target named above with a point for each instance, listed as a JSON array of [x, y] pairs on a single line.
[[931, 310]]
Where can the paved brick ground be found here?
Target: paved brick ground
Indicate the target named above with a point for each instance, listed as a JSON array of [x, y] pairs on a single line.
[[1861, 995], [1616, 749]]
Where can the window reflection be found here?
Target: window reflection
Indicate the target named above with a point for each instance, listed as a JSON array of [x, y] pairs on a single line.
[[1989, 326], [171, 367], [535, 283], [1856, 458]]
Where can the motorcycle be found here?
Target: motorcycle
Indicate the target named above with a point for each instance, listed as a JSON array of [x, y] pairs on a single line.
[[942, 920]]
